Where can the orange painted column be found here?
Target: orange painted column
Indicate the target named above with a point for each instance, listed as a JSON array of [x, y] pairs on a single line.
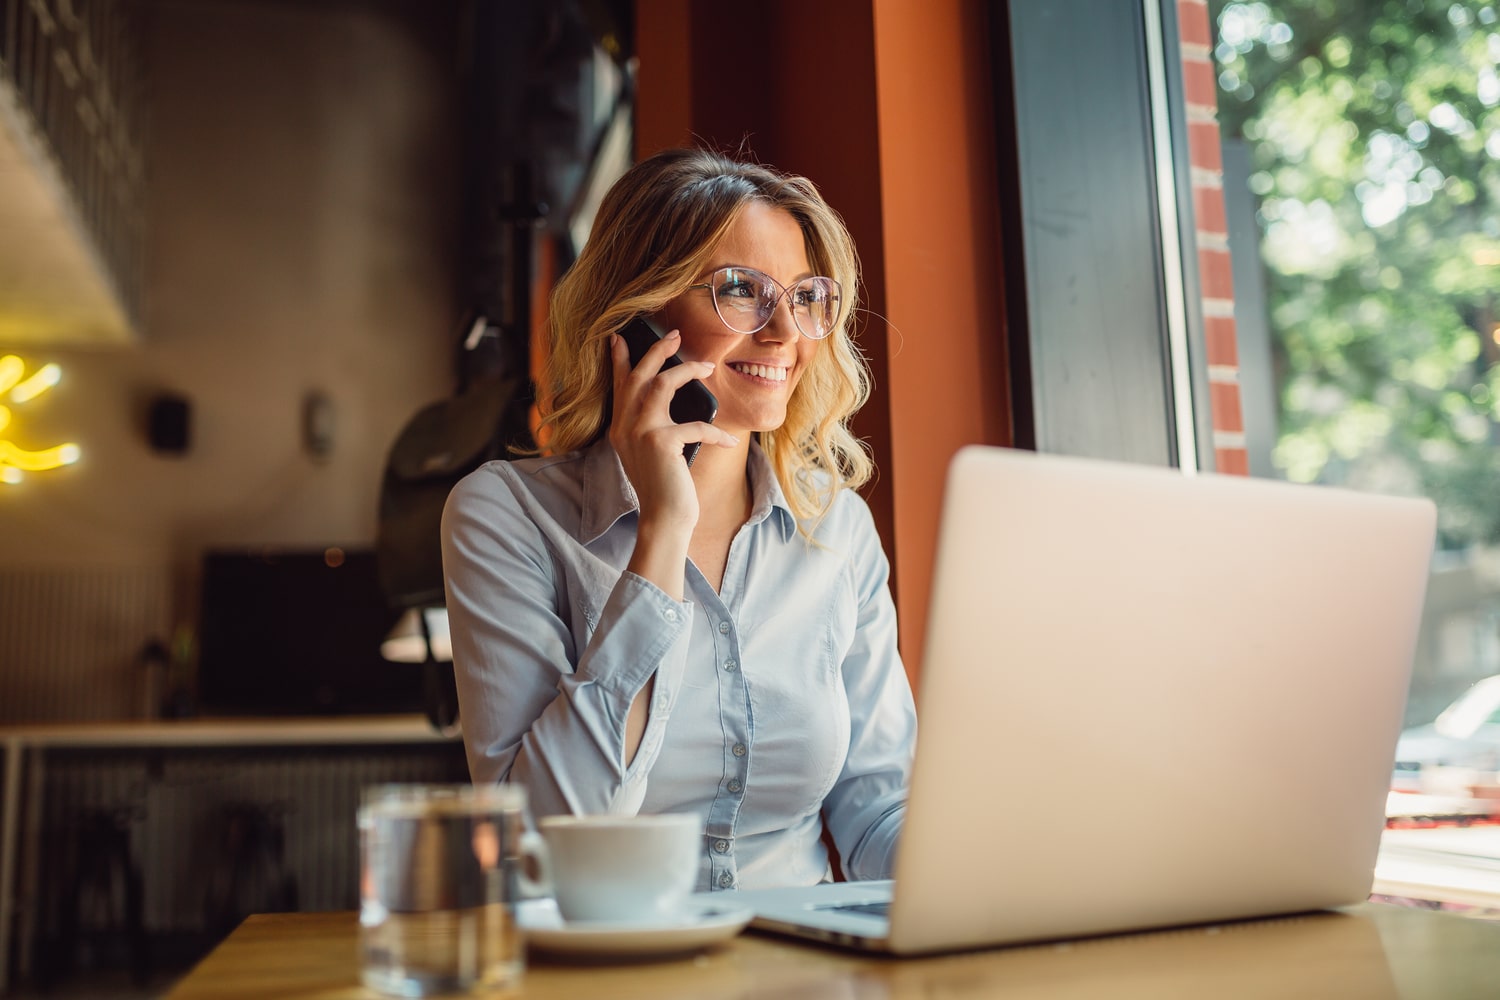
[[948, 372], [886, 105]]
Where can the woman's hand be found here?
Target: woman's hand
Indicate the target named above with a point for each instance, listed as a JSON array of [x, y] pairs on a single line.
[[650, 447]]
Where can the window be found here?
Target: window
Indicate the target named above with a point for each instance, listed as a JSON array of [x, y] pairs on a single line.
[[1362, 181]]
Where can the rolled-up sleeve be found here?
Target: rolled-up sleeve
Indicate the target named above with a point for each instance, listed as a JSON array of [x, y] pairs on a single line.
[[535, 709], [865, 809]]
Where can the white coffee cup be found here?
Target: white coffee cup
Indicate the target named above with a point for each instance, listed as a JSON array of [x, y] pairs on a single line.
[[622, 868]]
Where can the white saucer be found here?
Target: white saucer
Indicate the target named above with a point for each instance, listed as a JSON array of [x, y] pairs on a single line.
[[700, 925]]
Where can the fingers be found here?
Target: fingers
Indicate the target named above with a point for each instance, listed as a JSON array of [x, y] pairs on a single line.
[[642, 401], [668, 382], [619, 357], [657, 352], [672, 437], [709, 434], [655, 357], [648, 379]]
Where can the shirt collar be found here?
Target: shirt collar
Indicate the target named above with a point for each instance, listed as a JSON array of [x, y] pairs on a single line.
[[766, 495], [608, 495]]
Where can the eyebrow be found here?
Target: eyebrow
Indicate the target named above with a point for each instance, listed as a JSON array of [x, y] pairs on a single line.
[[714, 268]]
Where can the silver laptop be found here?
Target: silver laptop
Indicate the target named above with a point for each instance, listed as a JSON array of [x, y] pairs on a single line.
[[1147, 699]]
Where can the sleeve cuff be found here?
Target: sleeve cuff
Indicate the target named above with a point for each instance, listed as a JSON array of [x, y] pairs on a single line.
[[639, 626]]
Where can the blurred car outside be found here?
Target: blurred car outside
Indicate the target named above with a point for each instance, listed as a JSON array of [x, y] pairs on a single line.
[[1458, 753]]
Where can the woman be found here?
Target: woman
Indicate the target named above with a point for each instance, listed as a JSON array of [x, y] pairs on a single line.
[[632, 634]]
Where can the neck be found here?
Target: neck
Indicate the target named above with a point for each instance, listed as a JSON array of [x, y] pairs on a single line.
[[721, 476]]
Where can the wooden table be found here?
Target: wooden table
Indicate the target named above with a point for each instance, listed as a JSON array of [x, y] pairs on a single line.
[[1364, 952]]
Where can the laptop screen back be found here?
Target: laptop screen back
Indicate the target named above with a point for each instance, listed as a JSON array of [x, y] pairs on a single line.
[[1151, 699]]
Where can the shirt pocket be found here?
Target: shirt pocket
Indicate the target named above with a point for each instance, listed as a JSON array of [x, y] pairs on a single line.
[[811, 625], [792, 664]]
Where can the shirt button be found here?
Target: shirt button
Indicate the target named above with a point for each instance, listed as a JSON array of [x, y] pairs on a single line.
[[731, 666], [722, 846], [734, 785], [738, 749], [723, 628], [726, 880], [670, 614]]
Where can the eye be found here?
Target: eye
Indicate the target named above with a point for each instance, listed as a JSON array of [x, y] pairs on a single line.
[[737, 288], [742, 290], [813, 293]]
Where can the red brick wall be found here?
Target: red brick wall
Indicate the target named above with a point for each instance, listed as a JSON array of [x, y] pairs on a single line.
[[1212, 237]]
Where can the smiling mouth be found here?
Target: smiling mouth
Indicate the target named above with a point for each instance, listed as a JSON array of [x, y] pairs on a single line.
[[766, 372]]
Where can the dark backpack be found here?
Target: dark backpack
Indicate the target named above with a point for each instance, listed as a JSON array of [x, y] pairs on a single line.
[[440, 445]]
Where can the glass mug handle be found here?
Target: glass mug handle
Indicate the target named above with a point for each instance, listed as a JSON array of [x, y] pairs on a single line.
[[534, 857]]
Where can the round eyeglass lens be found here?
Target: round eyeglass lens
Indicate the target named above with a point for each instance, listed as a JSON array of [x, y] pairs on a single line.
[[744, 299], [815, 306]]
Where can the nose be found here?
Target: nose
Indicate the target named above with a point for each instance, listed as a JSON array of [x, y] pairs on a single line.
[[782, 326]]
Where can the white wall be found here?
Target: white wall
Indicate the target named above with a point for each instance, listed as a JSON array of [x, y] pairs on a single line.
[[302, 218]]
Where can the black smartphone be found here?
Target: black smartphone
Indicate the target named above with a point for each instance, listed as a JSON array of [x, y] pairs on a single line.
[[693, 401]]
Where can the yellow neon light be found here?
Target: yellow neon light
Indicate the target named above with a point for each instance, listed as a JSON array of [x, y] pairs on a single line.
[[11, 370], [15, 460], [37, 461], [45, 378]]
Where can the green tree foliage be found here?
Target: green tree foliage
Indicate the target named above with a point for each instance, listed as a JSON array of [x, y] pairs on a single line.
[[1374, 133]]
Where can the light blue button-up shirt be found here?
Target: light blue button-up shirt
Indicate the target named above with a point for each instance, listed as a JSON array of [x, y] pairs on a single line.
[[780, 701]]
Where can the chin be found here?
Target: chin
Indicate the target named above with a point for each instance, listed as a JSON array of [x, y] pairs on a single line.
[[758, 425]]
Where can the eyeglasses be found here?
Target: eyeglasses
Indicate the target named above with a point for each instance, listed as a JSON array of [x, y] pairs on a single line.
[[746, 299]]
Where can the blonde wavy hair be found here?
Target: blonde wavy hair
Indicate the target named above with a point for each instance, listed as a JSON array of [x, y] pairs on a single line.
[[653, 236]]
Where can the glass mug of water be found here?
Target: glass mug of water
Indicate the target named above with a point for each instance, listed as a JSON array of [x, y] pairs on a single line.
[[441, 869]]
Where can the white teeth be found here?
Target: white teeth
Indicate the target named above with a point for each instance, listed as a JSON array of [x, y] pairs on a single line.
[[761, 371]]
